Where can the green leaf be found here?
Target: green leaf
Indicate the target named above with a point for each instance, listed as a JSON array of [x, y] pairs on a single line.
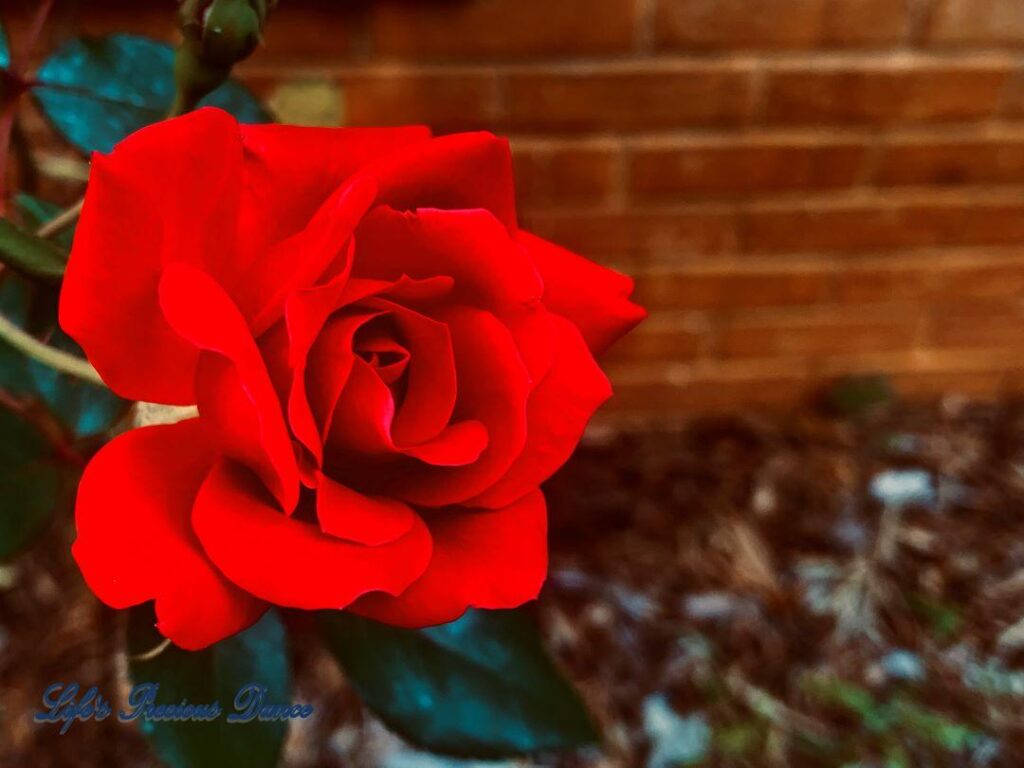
[[84, 408], [29, 254], [32, 484], [258, 655], [482, 686], [96, 91]]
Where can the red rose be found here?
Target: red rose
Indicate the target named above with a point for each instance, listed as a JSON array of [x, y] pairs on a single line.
[[386, 368]]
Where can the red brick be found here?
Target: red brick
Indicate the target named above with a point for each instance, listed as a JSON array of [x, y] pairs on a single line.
[[446, 102], [813, 333], [502, 28], [942, 278], [986, 284], [629, 98], [779, 24], [308, 33], [984, 160], [615, 237], [708, 386], [562, 173], [977, 22], [736, 167], [732, 287], [978, 326], [663, 337], [103, 18], [931, 384], [788, 274], [883, 223], [887, 92], [921, 360], [930, 372], [892, 280]]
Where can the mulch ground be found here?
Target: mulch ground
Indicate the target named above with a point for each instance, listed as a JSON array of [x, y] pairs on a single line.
[[799, 590]]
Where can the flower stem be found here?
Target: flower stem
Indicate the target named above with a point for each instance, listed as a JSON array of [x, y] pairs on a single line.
[[47, 355], [152, 653], [61, 221]]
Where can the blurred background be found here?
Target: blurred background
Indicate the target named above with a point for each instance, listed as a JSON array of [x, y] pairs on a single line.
[[802, 188], [794, 537]]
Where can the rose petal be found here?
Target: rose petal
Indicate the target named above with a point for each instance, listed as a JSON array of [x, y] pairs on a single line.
[[432, 385], [330, 365], [594, 298], [471, 246], [291, 563], [292, 170], [493, 560], [494, 386], [307, 313], [458, 445], [361, 425], [233, 387], [558, 411], [300, 260], [369, 520], [135, 542], [168, 193], [460, 171]]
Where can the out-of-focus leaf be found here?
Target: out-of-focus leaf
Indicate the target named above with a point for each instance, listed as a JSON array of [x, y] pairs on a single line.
[[739, 740], [836, 692], [482, 686], [84, 408], [32, 484], [939, 729], [944, 619], [898, 715], [96, 91], [257, 656], [5, 50], [30, 255], [858, 396], [17, 298]]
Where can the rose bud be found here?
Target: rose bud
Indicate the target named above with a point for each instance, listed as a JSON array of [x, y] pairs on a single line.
[[217, 34]]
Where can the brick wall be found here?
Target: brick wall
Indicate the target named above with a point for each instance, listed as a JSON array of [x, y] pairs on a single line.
[[802, 188]]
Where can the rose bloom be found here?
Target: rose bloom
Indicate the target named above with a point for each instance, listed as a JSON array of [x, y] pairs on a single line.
[[386, 368]]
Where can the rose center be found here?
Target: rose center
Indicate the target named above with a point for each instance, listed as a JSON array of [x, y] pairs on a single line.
[[379, 343]]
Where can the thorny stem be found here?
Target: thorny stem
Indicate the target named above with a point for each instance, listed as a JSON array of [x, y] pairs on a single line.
[[47, 355]]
